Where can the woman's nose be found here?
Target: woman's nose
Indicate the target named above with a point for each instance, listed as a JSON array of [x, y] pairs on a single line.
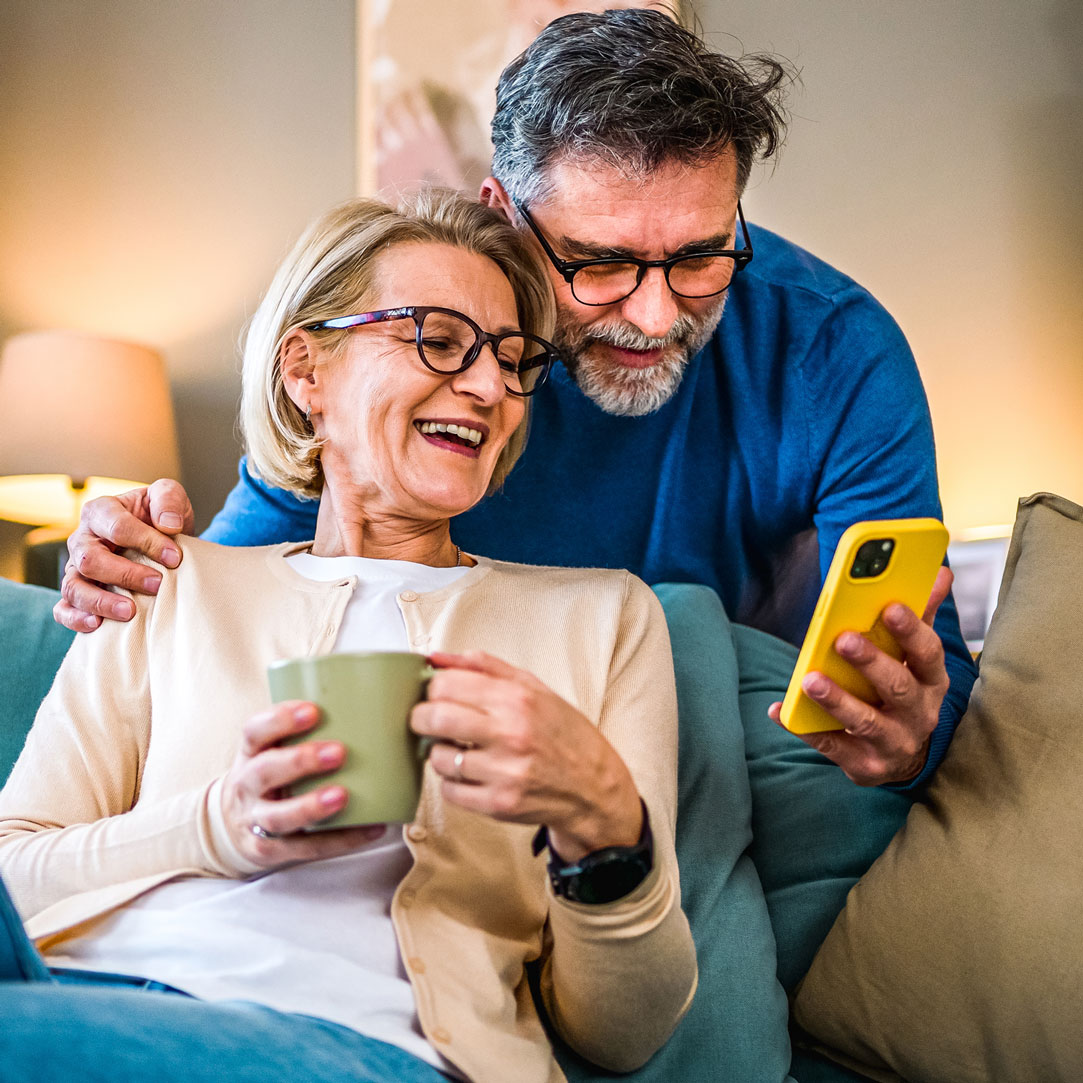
[[483, 379]]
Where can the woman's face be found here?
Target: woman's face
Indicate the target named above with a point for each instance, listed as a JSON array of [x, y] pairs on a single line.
[[376, 395]]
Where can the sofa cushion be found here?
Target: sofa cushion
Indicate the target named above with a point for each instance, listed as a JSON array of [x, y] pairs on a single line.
[[814, 833], [33, 647], [958, 957], [737, 1025], [727, 675]]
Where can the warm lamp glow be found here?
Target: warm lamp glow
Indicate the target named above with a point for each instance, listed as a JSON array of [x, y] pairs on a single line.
[[53, 499], [79, 415]]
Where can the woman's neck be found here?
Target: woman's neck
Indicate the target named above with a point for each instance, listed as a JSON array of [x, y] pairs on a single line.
[[343, 532]]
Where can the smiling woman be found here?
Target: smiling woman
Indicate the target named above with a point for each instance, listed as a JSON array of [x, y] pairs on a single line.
[[150, 835], [369, 391], [357, 253]]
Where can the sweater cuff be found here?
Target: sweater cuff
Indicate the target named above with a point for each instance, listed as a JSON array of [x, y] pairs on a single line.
[[223, 857]]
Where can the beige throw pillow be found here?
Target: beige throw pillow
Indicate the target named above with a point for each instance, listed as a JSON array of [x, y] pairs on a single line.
[[959, 955]]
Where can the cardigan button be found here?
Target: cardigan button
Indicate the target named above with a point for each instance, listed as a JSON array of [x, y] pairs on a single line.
[[406, 899], [441, 1035], [416, 965], [409, 596], [417, 833]]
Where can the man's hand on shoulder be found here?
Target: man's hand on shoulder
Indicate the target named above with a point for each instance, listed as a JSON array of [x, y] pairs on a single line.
[[888, 743], [141, 519]]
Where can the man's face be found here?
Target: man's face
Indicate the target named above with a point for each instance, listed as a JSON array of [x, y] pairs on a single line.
[[629, 357]]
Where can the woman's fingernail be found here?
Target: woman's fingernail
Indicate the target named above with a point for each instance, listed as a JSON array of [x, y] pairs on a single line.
[[333, 797], [329, 754]]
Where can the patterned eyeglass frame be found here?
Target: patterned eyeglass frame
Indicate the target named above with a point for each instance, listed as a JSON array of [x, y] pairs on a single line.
[[418, 313]]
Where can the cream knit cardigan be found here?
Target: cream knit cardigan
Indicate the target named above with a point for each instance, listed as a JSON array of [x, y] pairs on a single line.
[[118, 790]]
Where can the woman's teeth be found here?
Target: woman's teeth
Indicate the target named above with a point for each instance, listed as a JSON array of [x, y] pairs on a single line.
[[470, 436]]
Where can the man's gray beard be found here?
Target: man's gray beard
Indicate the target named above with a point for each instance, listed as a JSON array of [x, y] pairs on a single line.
[[622, 389]]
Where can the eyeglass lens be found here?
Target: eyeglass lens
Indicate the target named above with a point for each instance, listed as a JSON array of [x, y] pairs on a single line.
[[449, 344], [695, 276]]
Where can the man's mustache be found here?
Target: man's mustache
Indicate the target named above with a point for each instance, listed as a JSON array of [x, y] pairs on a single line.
[[626, 336]]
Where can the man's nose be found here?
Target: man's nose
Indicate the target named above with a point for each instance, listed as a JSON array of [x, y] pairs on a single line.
[[652, 307]]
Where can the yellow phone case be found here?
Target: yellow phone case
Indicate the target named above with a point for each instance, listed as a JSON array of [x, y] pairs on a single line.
[[849, 603]]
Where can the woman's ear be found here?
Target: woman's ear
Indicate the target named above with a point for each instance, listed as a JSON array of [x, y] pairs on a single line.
[[299, 375]]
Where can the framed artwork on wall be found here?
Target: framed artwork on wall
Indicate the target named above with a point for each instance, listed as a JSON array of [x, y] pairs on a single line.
[[426, 83]]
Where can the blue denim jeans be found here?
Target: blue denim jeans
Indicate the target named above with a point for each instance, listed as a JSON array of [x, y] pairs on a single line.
[[55, 1028]]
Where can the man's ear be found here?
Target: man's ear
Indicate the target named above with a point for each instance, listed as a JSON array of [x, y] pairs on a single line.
[[299, 374], [493, 195]]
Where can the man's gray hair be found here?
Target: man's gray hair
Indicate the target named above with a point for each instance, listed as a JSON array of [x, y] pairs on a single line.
[[631, 89]]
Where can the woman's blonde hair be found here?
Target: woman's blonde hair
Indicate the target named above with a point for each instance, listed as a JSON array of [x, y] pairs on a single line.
[[330, 273]]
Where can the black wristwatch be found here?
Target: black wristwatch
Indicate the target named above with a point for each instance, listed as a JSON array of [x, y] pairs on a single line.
[[604, 875]]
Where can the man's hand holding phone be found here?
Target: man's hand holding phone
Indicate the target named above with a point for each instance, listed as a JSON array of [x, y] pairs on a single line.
[[886, 707]]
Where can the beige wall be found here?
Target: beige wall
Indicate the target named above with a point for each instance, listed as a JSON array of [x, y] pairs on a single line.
[[935, 155], [156, 161]]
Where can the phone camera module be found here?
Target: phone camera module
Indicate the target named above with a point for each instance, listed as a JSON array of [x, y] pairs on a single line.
[[872, 558]]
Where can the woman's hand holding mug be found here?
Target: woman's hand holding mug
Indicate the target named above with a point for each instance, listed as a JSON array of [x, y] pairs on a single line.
[[510, 747], [267, 828]]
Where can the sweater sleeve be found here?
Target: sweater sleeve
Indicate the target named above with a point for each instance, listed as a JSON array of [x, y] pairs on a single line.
[[70, 816], [870, 428], [618, 977]]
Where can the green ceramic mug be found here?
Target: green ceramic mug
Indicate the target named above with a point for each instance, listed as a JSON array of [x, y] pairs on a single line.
[[365, 701]]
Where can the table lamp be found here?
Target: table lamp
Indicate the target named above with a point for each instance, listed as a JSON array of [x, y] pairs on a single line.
[[80, 417]]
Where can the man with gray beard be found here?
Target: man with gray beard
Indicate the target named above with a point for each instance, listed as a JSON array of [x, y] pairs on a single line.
[[629, 389], [674, 442]]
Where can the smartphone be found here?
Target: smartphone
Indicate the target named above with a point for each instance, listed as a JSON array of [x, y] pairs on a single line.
[[875, 564]]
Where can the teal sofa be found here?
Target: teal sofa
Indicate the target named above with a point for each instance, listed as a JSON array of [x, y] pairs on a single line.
[[770, 837]]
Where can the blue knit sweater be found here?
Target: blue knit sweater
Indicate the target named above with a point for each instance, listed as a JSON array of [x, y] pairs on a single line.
[[804, 414]]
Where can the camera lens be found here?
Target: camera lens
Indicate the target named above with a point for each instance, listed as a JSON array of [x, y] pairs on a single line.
[[872, 558]]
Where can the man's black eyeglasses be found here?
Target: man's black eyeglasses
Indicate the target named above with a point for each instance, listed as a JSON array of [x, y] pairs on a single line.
[[609, 280], [449, 342]]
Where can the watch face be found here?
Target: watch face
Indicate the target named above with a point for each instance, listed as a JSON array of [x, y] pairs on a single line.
[[612, 880], [605, 878], [605, 875]]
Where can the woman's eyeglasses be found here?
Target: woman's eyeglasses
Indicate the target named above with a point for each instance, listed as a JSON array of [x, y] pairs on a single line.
[[449, 342]]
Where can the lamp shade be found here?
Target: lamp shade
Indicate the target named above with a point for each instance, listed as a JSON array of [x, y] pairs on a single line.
[[80, 416]]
